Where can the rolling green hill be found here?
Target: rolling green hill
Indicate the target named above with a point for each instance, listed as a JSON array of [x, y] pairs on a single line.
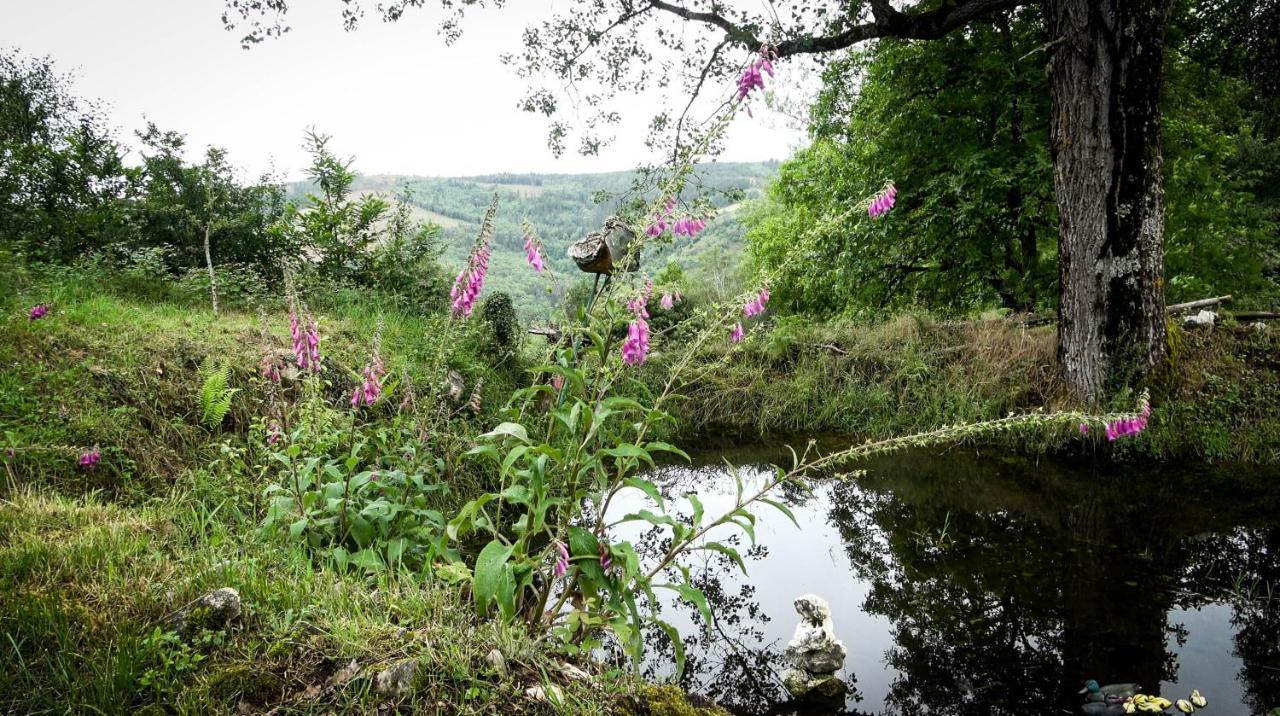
[[563, 209]]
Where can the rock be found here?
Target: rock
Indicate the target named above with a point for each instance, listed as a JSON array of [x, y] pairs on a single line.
[[574, 672], [1204, 318], [497, 662], [804, 686], [345, 674], [213, 611], [550, 694], [396, 681], [814, 654], [814, 647], [453, 386], [1258, 327]]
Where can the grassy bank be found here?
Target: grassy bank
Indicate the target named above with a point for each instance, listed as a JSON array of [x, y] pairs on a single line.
[[93, 563], [1214, 399]]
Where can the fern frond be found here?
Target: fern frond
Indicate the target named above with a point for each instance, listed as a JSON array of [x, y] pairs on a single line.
[[215, 393]]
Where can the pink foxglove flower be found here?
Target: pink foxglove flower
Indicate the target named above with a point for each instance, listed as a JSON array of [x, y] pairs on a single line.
[[882, 202], [752, 78], [756, 305], [668, 302], [273, 434], [636, 347], [737, 334], [90, 459], [533, 252], [1127, 427], [562, 559], [270, 367], [469, 283], [37, 312], [1084, 428]]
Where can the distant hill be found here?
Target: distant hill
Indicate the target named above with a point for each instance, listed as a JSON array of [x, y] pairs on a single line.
[[562, 209]]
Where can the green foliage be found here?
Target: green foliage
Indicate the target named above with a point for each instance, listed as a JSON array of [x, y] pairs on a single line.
[[215, 393], [500, 315], [960, 124], [62, 177]]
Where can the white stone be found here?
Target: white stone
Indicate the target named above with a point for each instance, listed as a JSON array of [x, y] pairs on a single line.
[[1203, 318], [814, 648], [396, 681]]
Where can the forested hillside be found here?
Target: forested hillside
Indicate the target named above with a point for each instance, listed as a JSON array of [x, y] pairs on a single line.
[[563, 208]]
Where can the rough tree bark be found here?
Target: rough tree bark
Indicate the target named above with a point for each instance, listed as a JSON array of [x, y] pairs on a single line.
[[1105, 79]]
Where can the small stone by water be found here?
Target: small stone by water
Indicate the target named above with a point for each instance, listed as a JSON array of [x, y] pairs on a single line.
[[814, 655]]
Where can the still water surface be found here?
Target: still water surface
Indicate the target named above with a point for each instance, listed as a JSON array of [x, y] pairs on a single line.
[[967, 582]]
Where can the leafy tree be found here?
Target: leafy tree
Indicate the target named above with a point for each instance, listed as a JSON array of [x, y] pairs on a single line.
[[203, 213], [62, 178], [1105, 81], [962, 123]]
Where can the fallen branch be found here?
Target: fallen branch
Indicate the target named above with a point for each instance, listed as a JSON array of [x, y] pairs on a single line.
[[1256, 315], [1202, 303]]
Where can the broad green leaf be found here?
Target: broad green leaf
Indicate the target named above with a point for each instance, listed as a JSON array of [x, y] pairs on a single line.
[[515, 430], [697, 508], [490, 569]]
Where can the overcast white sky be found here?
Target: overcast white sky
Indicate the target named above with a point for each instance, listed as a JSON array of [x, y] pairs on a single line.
[[391, 94]]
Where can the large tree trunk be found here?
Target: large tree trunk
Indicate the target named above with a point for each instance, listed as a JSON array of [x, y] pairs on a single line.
[[1105, 80]]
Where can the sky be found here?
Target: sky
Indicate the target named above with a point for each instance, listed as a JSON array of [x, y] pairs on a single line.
[[394, 96]]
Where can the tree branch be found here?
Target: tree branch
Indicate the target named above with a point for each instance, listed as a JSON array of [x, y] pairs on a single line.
[[886, 22]]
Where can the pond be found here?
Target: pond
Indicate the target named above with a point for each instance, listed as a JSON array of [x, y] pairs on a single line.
[[967, 582]]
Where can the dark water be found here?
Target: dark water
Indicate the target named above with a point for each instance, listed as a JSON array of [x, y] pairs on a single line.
[[979, 583]]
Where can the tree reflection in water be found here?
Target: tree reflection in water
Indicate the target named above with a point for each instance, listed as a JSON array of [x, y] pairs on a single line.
[[1007, 583]]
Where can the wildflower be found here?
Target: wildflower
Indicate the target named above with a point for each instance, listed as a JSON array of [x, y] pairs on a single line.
[[469, 283], [658, 224], [562, 559], [1127, 427], [306, 338], [273, 434], [737, 334], [752, 78], [270, 367], [37, 312], [688, 226], [373, 477], [667, 302], [313, 343], [606, 559], [882, 202], [557, 382], [90, 459], [756, 305], [9, 453], [636, 347], [1084, 428], [533, 252]]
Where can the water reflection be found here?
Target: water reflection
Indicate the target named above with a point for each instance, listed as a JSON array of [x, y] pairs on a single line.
[[985, 584]]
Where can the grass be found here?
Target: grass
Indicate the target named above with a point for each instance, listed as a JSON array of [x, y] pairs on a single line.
[[92, 563], [1214, 399], [86, 582]]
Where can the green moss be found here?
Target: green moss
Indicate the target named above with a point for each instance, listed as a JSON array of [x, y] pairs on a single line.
[[668, 700], [248, 682]]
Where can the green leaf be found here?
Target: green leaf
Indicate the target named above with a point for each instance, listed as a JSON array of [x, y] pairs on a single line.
[[728, 551], [647, 488], [666, 447], [297, 527], [697, 508], [781, 508], [694, 595], [676, 644], [515, 430], [489, 574], [628, 450]]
